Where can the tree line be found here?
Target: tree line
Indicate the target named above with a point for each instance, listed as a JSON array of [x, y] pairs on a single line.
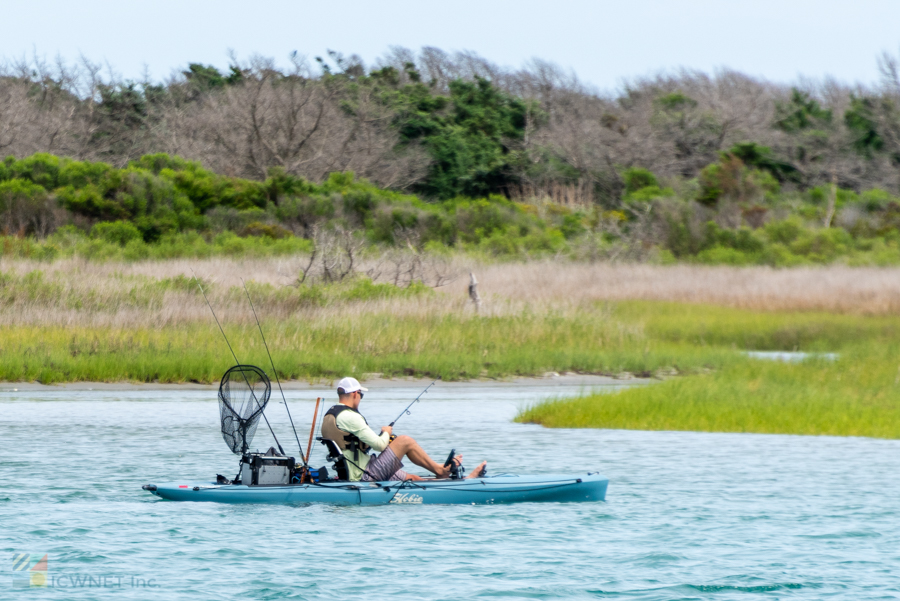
[[445, 125]]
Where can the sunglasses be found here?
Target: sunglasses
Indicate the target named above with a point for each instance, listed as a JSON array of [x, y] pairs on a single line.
[[360, 393]]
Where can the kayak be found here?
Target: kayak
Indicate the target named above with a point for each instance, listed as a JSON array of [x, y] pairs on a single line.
[[273, 477], [473, 491]]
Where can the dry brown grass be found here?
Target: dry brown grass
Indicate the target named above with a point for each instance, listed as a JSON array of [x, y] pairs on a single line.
[[108, 300], [837, 289], [506, 288]]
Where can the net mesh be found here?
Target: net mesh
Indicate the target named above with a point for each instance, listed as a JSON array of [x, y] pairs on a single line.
[[243, 395]]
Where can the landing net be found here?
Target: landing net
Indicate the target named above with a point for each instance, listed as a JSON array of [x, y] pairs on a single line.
[[243, 396]]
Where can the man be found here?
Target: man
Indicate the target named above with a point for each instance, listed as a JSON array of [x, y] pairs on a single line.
[[348, 428]]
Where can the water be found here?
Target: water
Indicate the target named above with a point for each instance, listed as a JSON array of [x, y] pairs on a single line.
[[688, 515], [790, 356]]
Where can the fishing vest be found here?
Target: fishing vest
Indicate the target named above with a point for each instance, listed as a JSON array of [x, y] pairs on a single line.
[[345, 440]]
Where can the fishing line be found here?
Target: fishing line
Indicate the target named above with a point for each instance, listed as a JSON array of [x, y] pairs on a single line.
[[252, 394], [274, 371]]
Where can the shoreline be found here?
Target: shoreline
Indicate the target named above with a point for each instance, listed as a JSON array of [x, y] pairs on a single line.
[[552, 379]]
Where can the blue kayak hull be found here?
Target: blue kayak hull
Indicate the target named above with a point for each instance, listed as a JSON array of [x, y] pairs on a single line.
[[474, 491]]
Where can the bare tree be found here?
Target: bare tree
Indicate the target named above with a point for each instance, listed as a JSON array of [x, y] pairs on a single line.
[[335, 256], [307, 126], [406, 264]]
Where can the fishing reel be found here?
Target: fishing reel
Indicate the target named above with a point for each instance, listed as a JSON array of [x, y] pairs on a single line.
[[456, 469]]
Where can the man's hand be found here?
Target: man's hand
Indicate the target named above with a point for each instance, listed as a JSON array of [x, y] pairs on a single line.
[[387, 429]]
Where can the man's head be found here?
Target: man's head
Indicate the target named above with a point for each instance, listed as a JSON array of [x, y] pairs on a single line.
[[350, 393]]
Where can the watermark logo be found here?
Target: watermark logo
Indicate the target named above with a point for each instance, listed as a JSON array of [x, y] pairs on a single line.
[[30, 570]]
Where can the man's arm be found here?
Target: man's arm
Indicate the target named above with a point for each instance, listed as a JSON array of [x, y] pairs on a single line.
[[354, 423]]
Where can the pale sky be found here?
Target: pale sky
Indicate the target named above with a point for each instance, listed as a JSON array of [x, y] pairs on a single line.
[[604, 42]]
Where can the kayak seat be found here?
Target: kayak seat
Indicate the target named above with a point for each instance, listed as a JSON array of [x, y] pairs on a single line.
[[336, 457]]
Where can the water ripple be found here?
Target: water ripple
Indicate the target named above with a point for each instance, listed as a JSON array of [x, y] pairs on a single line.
[[688, 515]]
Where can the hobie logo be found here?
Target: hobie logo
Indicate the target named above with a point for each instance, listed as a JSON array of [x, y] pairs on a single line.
[[29, 570], [406, 497]]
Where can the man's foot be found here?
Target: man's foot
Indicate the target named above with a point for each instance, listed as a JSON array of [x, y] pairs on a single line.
[[478, 471], [445, 469]]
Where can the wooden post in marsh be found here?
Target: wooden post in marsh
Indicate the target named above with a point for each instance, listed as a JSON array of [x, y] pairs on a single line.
[[832, 200], [473, 292]]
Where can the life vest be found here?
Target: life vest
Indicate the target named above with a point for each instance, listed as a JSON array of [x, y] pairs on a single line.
[[345, 440]]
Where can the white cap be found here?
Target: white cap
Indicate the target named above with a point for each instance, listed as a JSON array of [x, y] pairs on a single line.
[[348, 385]]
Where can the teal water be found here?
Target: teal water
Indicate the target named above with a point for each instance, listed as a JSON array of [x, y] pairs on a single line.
[[687, 516]]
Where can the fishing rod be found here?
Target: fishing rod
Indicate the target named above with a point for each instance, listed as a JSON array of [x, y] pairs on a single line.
[[407, 411], [237, 362], [274, 371]]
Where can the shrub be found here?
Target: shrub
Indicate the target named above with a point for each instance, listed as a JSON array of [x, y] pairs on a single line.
[[721, 255], [875, 200], [116, 232], [276, 232], [41, 169], [731, 179], [301, 213], [742, 239], [783, 232], [822, 246], [636, 178], [779, 255], [648, 194], [25, 208], [572, 225]]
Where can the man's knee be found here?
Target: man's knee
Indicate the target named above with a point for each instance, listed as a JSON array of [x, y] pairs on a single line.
[[404, 441]]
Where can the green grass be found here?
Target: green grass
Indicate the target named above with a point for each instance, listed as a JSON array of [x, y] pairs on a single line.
[[857, 395], [710, 325], [343, 332], [451, 346], [846, 398]]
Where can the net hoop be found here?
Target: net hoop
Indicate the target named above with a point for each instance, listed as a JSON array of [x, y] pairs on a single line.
[[243, 395]]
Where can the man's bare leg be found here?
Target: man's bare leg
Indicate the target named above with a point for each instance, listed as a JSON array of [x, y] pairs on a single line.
[[406, 445]]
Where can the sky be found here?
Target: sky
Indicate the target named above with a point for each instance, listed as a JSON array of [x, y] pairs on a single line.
[[605, 43]]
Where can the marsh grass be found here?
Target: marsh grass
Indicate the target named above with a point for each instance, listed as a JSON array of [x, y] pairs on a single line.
[[859, 395], [453, 347], [507, 288], [833, 289], [75, 320], [710, 325]]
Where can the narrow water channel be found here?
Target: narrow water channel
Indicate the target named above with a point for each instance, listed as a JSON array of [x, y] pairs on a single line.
[[688, 515]]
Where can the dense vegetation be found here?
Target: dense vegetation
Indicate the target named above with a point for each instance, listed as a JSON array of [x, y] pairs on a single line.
[[448, 151], [856, 394], [160, 206]]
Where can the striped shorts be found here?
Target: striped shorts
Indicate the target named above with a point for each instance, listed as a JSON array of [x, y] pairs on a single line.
[[384, 467]]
